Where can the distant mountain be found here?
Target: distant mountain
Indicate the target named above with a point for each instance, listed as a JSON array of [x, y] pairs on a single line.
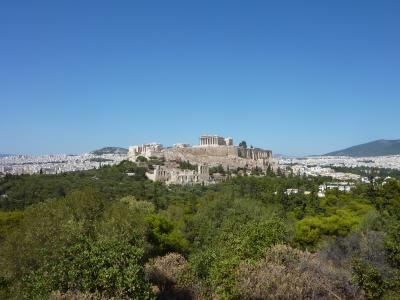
[[4, 155], [278, 155], [375, 148], [110, 150]]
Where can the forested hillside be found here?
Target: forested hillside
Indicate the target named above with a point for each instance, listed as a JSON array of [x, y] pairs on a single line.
[[103, 234]]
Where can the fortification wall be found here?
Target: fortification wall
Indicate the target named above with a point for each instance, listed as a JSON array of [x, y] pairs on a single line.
[[228, 156], [221, 151]]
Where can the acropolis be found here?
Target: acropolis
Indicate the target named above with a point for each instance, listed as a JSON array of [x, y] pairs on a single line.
[[212, 151]]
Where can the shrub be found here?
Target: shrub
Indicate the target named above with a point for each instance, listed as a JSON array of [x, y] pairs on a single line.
[[287, 273], [392, 243], [171, 274], [111, 268], [368, 277]]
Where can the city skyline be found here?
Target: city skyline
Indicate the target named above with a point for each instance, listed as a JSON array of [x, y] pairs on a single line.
[[297, 78]]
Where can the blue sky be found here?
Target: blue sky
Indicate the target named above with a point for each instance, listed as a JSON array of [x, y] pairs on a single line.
[[297, 77]]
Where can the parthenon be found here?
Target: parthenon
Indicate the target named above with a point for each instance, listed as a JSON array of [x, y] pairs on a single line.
[[215, 140]]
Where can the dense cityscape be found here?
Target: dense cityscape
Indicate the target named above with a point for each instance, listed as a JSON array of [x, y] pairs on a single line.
[[389, 162], [55, 163], [325, 165]]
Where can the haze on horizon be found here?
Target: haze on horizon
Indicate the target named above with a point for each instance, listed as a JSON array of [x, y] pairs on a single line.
[[296, 78]]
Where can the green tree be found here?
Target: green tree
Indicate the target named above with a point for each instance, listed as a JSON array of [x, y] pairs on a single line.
[[141, 159], [45, 230], [392, 243], [125, 219], [111, 268], [218, 169], [369, 278], [186, 165], [165, 236]]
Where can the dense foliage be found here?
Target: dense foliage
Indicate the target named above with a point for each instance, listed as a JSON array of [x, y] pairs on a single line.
[[111, 233], [369, 172]]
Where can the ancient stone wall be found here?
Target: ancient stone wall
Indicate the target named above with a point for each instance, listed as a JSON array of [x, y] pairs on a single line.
[[204, 151], [254, 153], [227, 156]]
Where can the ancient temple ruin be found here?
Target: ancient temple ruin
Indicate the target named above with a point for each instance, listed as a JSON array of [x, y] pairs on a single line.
[[215, 140]]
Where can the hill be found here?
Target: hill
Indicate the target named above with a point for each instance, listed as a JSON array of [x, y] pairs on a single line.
[[110, 150], [375, 148]]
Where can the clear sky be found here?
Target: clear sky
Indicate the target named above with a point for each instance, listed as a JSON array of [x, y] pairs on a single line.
[[297, 77]]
